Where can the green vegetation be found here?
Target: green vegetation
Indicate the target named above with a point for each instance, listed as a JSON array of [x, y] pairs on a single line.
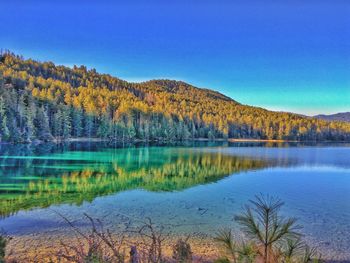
[[44, 101], [271, 237], [3, 243]]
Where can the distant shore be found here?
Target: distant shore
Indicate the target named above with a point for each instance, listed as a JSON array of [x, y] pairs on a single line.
[[234, 140], [259, 140]]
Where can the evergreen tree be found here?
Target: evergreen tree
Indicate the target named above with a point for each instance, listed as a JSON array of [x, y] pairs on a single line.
[[4, 131], [42, 124], [66, 123], [57, 126], [40, 100], [77, 122], [29, 115]]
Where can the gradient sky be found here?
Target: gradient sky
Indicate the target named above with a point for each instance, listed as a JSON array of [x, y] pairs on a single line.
[[281, 55]]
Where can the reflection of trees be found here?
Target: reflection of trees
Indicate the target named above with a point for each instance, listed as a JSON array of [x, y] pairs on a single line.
[[74, 177]]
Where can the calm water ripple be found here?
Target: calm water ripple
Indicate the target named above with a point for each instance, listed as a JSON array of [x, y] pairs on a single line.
[[193, 189]]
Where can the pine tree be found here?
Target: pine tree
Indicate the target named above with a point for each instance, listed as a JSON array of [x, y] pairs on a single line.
[[29, 118], [66, 123], [77, 122], [89, 125], [43, 125], [57, 125], [158, 109], [4, 132], [104, 129]]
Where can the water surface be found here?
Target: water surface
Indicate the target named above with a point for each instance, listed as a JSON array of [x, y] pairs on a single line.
[[192, 189]]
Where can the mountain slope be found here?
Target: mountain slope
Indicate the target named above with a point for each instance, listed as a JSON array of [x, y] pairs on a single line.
[[39, 100], [341, 116]]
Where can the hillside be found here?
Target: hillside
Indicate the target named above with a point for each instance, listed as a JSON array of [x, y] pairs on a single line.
[[39, 100], [341, 116]]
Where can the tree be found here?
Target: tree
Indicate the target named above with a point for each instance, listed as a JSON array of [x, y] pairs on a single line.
[[89, 125], [57, 123], [77, 122], [29, 114], [66, 122], [42, 124], [263, 224], [271, 238], [4, 132], [157, 109], [104, 128]]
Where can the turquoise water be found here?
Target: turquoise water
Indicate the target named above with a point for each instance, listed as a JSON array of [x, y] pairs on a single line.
[[193, 189]]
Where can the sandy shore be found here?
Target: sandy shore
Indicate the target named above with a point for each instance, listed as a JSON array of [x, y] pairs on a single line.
[[44, 248]]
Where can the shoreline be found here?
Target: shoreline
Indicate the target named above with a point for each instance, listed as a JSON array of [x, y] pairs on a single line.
[[232, 140], [260, 140], [27, 248]]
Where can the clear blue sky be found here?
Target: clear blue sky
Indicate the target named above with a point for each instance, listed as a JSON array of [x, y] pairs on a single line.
[[281, 55]]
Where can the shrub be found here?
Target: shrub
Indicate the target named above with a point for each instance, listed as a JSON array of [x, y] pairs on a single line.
[[182, 251], [3, 243]]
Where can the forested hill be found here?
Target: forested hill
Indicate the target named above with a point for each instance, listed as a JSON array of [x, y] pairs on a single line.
[[341, 116], [42, 101]]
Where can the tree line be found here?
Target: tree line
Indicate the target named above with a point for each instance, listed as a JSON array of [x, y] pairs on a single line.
[[42, 101]]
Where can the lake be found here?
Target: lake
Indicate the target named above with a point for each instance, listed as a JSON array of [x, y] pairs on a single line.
[[194, 189]]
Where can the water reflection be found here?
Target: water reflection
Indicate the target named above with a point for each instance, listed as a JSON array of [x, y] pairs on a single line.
[[49, 174]]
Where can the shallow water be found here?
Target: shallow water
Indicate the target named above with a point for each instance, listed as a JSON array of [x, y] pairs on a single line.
[[191, 190]]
